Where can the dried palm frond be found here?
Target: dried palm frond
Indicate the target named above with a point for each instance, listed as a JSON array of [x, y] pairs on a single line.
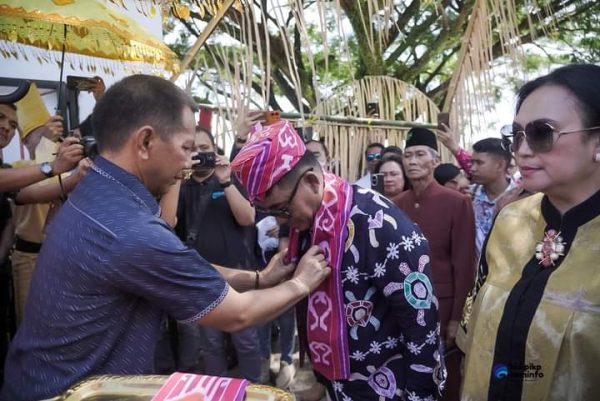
[[396, 100]]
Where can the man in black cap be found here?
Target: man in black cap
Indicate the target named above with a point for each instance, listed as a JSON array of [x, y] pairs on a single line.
[[446, 218]]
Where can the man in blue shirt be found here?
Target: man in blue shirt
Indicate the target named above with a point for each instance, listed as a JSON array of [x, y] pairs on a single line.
[[111, 267]]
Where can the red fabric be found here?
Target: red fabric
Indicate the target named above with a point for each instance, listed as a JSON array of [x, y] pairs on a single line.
[[188, 387], [464, 160], [205, 118], [326, 326], [447, 220], [270, 153]]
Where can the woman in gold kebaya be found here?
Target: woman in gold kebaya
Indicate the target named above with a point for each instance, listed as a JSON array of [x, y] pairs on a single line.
[[531, 325]]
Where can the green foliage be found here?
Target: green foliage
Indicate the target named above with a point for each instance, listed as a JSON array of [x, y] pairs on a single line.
[[422, 40]]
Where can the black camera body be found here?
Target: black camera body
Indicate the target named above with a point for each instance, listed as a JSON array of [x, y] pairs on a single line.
[[377, 182], [90, 147], [206, 160]]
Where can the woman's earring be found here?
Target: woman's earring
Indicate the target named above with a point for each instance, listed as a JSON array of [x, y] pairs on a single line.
[[597, 157]]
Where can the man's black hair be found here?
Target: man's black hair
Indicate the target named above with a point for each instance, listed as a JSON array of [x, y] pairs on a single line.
[[136, 101], [494, 147], [308, 160], [320, 142], [11, 105], [373, 145], [85, 127]]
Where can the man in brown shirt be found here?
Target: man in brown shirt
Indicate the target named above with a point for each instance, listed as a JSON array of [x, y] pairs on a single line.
[[446, 218]]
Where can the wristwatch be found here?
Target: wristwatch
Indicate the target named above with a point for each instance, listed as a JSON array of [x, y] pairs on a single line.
[[46, 168], [225, 184]]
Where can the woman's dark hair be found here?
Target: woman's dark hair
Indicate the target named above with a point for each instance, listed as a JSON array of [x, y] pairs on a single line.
[[218, 150], [398, 160], [582, 80], [391, 150], [208, 133]]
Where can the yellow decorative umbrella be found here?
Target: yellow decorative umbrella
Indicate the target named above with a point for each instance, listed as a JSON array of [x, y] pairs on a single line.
[[85, 27]]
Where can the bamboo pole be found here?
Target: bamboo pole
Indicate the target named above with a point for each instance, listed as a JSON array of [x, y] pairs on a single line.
[[461, 57], [371, 122], [212, 24]]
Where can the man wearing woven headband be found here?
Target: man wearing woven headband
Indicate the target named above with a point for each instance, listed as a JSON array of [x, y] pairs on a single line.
[[111, 268], [371, 328]]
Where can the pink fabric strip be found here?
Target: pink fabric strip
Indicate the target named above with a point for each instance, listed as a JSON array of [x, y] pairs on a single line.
[[188, 387], [326, 327]]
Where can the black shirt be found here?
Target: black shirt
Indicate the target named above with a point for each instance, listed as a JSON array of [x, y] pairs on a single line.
[[206, 223]]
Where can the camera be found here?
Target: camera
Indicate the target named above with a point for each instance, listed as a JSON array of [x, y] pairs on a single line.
[[377, 182], [271, 117], [206, 160], [90, 147], [81, 83], [443, 119], [373, 110]]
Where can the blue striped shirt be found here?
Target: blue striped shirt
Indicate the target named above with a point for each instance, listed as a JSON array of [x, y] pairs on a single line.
[[108, 271]]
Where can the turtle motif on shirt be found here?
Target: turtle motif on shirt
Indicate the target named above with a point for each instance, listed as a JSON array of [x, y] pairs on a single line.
[[382, 380], [359, 312]]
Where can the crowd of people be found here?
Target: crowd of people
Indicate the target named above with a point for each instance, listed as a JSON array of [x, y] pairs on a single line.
[[421, 281]]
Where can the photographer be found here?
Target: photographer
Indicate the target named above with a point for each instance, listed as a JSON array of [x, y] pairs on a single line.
[[35, 203], [214, 217], [30, 173]]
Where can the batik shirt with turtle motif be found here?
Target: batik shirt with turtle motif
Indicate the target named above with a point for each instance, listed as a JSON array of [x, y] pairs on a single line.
[[391, 309]]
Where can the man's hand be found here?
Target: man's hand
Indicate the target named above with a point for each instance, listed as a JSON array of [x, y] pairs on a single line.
[[222, 169], [312, 269], [448, 138], [508, 197], [69, 154], [84, 166], [451, 331], [276, 271], [53, 128], [244, 122], [99, 89]]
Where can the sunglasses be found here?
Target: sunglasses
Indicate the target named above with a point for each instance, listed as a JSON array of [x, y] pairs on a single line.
[[284, 210], [539, 134], [373, 156]]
